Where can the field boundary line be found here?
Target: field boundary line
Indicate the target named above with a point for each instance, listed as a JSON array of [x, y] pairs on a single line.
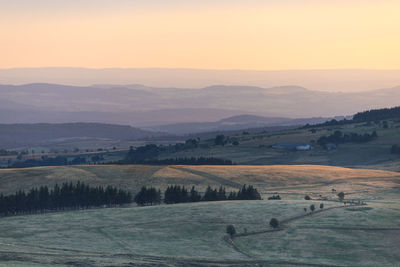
[[289, 220], [230, 241], [209, 176]]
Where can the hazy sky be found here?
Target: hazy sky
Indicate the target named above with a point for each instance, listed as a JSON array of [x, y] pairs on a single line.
[[210, 34]]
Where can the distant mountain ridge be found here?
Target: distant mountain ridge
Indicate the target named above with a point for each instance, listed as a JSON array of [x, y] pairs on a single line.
[[143, 106], [234, 123], [328, 80]]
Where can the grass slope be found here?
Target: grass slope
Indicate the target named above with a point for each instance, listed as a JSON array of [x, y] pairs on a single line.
[[193, 234], [190, 234], [255, 149], [294, 180]]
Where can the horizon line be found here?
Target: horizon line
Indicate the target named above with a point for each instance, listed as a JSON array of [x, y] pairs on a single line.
[[200, 69]]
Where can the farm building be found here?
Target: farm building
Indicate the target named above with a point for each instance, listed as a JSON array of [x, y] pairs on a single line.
[[292, 146]]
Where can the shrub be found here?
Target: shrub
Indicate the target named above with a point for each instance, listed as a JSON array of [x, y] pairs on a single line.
[[321, 206], [341, 196], [277, 197], [230, 229], [312, 207], [274, 223], [307, 197], [305, 209]]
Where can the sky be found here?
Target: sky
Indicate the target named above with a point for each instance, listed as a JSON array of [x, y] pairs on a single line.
[[202, 34]]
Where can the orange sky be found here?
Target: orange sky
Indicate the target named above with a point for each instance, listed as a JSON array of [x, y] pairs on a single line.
[[254, 34]]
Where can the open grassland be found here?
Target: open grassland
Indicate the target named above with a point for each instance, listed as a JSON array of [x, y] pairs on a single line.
[[292, 180], [194, 234]]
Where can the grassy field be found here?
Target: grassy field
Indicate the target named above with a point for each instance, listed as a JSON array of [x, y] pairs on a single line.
[[292, 180], [193, 234]]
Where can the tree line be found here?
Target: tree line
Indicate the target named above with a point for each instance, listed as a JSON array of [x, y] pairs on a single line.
[[377, 114], [181, 194], [49, 161], [364, 116], [4, 152], [148, 154], [186, 161], [339, 138], [67, 196]]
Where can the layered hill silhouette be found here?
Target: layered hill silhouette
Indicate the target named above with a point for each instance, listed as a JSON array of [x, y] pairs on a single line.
[[142, 106]]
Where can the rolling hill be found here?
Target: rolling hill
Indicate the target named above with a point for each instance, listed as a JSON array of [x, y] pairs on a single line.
[[193, 234], [22, 135], [294, 180], [256, 148]]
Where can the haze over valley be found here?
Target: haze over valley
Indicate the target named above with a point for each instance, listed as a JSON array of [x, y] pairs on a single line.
[[143, 106]]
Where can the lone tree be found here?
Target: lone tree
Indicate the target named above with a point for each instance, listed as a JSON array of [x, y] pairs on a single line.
[[312, 207], [341, 196], [219, 140], [305, 209], [321, 206], [230, 229], [274, 223], [307, 197]]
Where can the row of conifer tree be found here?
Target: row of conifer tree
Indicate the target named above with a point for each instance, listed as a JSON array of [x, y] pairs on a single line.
[[66, 196], [70, 196], [181, 194]]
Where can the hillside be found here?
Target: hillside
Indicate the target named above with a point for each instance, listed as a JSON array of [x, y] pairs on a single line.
[[292, 179], [22, 135], [234, 123], [193, 234], [257, 148]]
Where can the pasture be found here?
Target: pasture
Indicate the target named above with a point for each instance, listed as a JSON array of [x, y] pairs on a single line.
[[193, 234], [293, 180]]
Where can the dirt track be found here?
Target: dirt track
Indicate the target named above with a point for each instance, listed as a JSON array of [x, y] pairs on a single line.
[[284, 222]]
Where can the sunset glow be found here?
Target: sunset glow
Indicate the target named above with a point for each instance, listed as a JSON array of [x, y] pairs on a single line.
[[263, 35]]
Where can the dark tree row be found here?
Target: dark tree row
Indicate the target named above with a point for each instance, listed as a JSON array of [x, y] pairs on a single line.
[[332, 122], [364, 116], [49, 161], [188, 161], [377, 114], [148, 154], [339, 138], [66, 196], [148, 196], [245, 193], [4, 152], [180, 194]]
